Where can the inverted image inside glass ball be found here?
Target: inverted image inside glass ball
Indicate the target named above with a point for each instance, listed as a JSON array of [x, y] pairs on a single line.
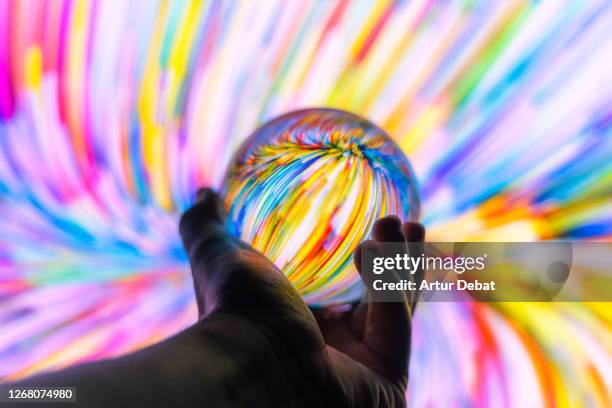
[[307, 187]]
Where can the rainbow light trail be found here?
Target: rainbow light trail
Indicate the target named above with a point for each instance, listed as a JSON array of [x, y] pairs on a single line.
[[113, 112]]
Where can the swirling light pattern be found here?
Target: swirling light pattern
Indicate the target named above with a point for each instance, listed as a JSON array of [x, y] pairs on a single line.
[[113, 112], [307, 187]]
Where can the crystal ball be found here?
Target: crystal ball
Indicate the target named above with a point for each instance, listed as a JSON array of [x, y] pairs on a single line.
[[306, 187]]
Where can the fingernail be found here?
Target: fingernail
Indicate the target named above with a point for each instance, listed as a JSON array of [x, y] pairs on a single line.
[[203, 193]]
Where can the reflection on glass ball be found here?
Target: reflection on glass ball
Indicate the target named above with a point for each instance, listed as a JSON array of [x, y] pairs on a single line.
[[307, 187]]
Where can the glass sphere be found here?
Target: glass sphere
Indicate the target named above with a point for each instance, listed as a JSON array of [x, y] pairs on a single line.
[[307, 187]]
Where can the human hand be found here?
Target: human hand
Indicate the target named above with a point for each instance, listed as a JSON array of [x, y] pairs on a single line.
[[256, 343], [262, 326]]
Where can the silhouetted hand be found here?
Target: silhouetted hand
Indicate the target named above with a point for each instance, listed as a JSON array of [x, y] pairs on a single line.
[[256, 344], [356, 358]]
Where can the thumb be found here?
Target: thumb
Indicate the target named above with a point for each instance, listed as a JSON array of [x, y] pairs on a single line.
[[204, 221], [208, 245]]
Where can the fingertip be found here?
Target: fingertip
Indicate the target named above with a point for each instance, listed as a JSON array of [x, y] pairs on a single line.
[[208, 198], [414, 231], [201, 193], [393, 219], [205, 194], [388, 229], [389, 221], [207, 211]]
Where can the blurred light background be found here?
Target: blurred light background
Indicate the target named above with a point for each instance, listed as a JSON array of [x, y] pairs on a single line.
[[113, 112]]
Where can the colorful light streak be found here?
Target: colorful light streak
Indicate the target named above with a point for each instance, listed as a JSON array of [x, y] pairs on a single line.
[[113, 112]]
